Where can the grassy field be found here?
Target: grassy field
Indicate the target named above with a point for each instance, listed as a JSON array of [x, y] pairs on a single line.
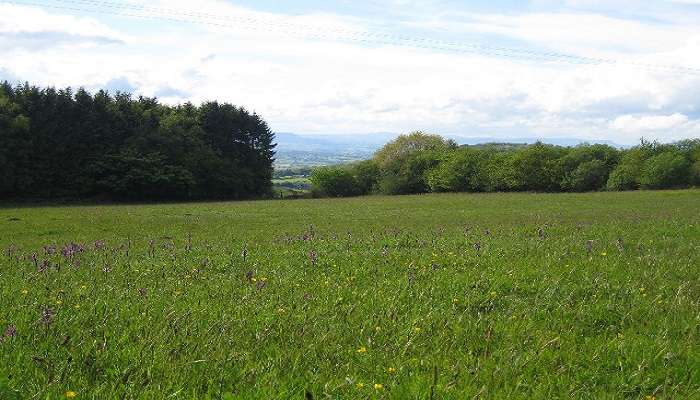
[[518, 296]]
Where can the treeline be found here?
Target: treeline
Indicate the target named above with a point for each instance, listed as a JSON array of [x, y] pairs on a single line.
[[422, 163], [66, 144]]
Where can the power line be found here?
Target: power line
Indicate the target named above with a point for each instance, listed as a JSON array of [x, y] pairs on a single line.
[[252, 20], [192, 17], [358, 36], [443, 45], [495, 52]]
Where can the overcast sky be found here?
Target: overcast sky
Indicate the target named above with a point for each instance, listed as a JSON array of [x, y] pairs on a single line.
[[350, 66]]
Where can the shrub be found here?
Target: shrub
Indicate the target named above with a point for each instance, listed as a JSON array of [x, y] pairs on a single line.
[[588, 176], [695, 174], [624, 177], [457, 173], [587, 167], [406, 161], [366, 175], [334, 182], [407, 174], [536, 168], [627, 175], [695, 158], [666, 170], [415, 142]]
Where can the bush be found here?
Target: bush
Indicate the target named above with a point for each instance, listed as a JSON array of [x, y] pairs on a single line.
[[334, 182], [666, 170], [408, 174], [695, 159], [366, 174], [624, 177], [588, 176], [695, 174], [536, 168], [404, 163], [588, 167], [628, 173], [460, 172], [415, 142]]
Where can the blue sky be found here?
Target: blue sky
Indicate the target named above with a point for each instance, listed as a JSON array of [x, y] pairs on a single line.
[[341, 67]]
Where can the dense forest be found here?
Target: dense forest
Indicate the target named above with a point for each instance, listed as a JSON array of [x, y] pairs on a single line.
[[57, 144], [423, 163]]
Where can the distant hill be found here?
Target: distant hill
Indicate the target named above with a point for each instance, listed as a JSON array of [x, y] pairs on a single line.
[[331, 143], [567, 142], [294, 150]]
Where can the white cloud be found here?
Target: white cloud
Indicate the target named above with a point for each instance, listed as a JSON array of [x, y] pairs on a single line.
[[311, 83], [16, 19], [573, 33], [649, 123]]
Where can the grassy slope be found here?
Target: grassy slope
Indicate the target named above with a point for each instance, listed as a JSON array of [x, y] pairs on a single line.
[[531, 314]]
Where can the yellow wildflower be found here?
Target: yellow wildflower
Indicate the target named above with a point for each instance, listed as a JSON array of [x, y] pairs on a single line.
[[25, 291], [378, 386], [362, 349], [71, 394], [391, 370], [360, 385]]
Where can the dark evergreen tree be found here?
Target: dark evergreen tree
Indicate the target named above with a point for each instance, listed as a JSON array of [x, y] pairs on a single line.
[[66, 144]]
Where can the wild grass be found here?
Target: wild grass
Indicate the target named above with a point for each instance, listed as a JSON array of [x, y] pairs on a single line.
[[590, 296]]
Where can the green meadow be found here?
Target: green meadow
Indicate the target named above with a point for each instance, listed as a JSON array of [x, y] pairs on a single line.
[[458, 296]]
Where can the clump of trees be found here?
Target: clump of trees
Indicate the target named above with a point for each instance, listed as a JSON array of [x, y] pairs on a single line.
[[66, 144], [423, 163]]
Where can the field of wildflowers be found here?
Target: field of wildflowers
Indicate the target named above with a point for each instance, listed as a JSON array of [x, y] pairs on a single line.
[[514, 296]]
